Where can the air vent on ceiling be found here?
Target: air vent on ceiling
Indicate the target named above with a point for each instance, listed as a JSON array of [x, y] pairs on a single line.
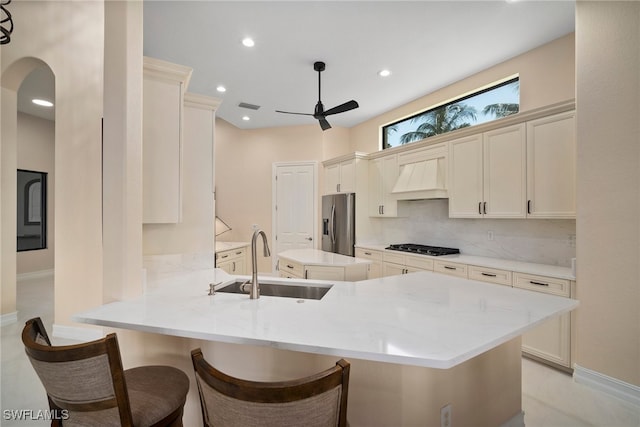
[[248, 106]]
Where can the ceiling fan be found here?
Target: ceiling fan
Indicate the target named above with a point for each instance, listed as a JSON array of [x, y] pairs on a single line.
[[319, 112]]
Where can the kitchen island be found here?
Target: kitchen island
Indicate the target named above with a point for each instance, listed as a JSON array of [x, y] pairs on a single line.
[[321, 265], [417, 342]]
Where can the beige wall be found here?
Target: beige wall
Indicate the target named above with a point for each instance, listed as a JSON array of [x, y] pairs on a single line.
[[244, 160], [547, 76], [35, 149], [77, 63], [608, 172]]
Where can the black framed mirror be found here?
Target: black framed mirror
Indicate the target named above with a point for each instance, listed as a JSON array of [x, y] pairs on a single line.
[[32, 210]]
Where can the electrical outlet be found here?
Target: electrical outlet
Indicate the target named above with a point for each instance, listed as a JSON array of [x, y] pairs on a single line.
[[445, 416], [489, 235], [572, 240], [254, 227]]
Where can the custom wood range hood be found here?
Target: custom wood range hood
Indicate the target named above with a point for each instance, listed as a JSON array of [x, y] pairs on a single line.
[[421, 180]]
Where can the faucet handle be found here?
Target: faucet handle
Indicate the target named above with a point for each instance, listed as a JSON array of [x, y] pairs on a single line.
[[212, 290]]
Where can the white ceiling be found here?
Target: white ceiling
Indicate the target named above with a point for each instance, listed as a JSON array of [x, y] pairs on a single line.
[[426, 44]]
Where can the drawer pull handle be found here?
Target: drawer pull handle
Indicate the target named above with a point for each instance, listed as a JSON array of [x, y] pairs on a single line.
[[538, 283], [489, 274], [289, 266], [367, 253], [238, 253], [224, 256], [450, 268]]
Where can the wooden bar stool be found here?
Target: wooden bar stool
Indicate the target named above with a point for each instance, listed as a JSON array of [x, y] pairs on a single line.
[[87, 386], [319, 400]]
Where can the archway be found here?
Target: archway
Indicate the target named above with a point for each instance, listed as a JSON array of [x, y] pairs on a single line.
[[11, 81]]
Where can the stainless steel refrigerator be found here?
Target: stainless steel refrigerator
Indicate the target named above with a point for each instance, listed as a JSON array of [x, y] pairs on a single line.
[[339, 223]]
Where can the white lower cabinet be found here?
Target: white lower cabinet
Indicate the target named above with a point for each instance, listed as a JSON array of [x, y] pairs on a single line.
[[295, 270], [375, 268], [550, 341], [451, 268], [398, 263], [490, 275], [233, 261]]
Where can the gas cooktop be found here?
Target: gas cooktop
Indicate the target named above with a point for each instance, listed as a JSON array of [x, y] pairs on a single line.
[[423, 249]]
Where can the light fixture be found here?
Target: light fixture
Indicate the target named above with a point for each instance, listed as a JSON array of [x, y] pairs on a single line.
[[221, 89], [246, 118], [248, 42], [42, 102], [221, 226], [6, 22], [384, 73]]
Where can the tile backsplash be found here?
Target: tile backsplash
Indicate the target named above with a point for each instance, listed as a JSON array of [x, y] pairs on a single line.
[[544, 241]]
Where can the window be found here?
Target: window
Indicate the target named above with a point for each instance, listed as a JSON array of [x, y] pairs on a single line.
[[32, 210], [483, 106]]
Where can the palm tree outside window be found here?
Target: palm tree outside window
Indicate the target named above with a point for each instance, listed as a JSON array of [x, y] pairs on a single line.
[[483, 106]]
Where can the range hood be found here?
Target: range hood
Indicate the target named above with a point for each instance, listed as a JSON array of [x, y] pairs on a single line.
[[421, 180]]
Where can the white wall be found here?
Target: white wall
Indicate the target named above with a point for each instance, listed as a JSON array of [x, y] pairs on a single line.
[[36, 146], [608, 195]]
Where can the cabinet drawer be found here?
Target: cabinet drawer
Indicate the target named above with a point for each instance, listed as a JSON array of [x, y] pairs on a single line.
[[368, 254], [422, 263], [491, 275], [547, 285], [223, 256], [291, 267], [395, 258], [451, 268]]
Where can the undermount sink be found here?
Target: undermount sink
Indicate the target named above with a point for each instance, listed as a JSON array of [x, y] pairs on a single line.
[[280, 290]]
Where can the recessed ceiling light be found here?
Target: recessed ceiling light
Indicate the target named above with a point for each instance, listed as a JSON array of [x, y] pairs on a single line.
[[248, 42], [246, 118], [384, 73], [42, 102], [221, 88]]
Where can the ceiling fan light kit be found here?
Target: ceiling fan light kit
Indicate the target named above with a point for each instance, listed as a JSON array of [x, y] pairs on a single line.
[[319, 112]]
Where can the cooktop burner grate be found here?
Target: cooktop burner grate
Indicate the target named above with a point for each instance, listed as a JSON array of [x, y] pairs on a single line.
[[423, 249]]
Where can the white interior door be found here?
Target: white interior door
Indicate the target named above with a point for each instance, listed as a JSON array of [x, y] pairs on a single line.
[[295, 208]]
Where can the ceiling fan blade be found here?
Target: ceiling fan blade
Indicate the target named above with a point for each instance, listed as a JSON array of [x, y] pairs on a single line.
[[289, 112], [324, 124], [349, 105]]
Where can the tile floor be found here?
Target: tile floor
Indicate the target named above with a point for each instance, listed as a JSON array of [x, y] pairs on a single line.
[[550, 398]]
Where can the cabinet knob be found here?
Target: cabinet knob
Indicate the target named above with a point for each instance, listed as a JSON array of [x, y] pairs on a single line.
[[309, 238]]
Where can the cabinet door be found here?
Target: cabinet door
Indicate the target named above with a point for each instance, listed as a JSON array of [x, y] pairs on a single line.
[[550, 341], [161, 151], [391, 269], [551, 167], [347, 176], [504, 172], [331, 178], [465, 177], [383, 173], [374, 270]]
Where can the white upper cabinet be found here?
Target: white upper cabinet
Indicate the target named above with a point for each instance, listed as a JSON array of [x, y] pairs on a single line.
[[487, 174], [342, 175], [551, 173], [164, 85], [383, 173]]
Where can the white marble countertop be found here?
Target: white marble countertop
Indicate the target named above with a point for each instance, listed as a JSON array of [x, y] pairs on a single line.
[[226, 246], [502, 264], [318, 257], [422, 319]]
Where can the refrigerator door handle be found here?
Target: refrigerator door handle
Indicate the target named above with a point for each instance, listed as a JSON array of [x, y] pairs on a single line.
[[333, 225]]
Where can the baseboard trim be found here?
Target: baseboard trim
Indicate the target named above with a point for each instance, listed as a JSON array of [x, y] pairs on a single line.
[[516, 421], [607, 384], [77, 333], [9, 318], [34, 275]]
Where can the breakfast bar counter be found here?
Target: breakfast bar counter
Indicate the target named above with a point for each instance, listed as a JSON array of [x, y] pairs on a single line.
[[423, 319]]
